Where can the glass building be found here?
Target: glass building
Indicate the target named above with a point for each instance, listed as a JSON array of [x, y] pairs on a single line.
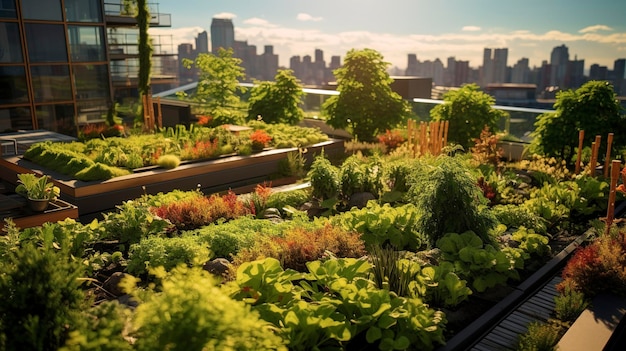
[[55, 70]]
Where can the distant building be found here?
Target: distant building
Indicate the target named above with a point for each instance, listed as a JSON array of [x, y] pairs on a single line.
[[619, 76], [186, 75], [202, 43], [559, 58], [222, 34], [494, 67], [520, 72]]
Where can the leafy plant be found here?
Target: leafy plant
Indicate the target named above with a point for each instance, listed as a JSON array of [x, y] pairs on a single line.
[[391, 139], [384, 225], [324, 178], [131, 222], [443, 286], [168, 253], [277, 101], [34, 187], [569, 304], [168, 161]]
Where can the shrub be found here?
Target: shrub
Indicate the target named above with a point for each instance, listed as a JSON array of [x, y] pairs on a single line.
[[40, 297], [166, 252], [539, 337], [168, 161], [450, 201], [391, 139], [131, 222], [293, 198], [191, 313], [569, 305], [515, 216], [324, 178]]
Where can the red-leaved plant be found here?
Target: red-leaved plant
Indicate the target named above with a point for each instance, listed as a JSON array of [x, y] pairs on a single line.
[[392, 139], [260, 139]]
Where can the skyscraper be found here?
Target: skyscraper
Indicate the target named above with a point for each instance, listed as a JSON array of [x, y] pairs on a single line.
[[559, 59], [500, 57], [202, 43], [222, 34]]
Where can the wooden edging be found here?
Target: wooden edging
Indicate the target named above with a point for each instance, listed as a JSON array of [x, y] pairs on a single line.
[[475, 330]]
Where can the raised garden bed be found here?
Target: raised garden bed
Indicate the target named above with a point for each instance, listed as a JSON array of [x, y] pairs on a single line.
[[210, 176]]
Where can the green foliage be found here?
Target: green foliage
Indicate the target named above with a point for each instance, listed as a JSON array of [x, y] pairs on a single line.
[[168, 161], [34, 187], [131, 222], [593, 108], [218, 85], [278, 101], [384, 225], [40, 297], [155, 252], [483, 265], [291, 198], [469, 110], [569, 304], [99, 171], [366, 104], [335, 306], [324, 178], [144, 47], [103, 330], [539, 337], [443, 286], [358, 174], [532, 243], [450, 201], [187, 311], [389, 272], [516, 216]]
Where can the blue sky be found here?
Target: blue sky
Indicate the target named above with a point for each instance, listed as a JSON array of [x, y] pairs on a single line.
[[593, 30]]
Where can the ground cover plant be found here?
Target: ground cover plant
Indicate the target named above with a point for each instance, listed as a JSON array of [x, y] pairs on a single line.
[[380, 274]]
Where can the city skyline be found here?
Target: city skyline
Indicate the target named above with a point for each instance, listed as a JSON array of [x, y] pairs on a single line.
[[429, 29]]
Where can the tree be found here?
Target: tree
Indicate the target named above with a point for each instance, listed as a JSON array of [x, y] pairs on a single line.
[[366, 104], [468, 111], [278, 101], [593, 108], [218, 85]]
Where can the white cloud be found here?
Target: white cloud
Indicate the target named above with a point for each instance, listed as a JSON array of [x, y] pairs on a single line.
[[597, 27], [305, 17], [225, 15], [471, 29], [255, 21]]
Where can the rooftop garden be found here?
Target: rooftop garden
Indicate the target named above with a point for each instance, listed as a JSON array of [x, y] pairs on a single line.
[[396, 246]]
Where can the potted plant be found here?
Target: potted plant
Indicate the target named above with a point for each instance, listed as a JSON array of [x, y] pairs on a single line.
[[38, 190]]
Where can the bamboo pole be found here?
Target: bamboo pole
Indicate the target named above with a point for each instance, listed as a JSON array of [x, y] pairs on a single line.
[[607, 157], [581, 137], [615, 174]]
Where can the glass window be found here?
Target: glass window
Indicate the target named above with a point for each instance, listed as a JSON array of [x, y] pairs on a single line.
[[13, 88], [13, 119], [92, 111], [56, 118], [10, 46], [46, 42], [51, 83], [83, 10], [86, 43], [7, 9], [42, 10], [92, 81]]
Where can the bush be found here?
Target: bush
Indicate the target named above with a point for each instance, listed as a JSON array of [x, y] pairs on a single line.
[[293, 198], [539, 337], [168, 161], [40, 298], [166, 252], [324, 178], [450, 200], [569, 305], [191, 313]]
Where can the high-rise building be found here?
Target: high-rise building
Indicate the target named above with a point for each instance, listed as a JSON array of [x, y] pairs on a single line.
[[411, 66], [597, 72], [559, 58], [500, 57], [202, 43], [59, 70], [186, 75], [619, 74], [222, 34], [487, 69], [520, 72]]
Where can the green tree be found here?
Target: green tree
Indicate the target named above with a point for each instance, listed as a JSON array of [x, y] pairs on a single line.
[[593, 108], [468, 111], [278, 101], [218, 86], [366, 104]]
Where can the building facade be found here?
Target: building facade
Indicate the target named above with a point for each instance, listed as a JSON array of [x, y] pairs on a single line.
[[60, 61]]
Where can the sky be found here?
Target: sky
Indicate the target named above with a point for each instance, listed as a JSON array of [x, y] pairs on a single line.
[[592, 30]]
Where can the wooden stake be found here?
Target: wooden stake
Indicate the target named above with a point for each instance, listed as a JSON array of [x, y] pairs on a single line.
[[446, 125], [609, 142], [615, 174], [581, 137]]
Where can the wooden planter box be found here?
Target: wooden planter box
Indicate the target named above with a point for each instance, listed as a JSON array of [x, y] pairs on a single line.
[[16, 207], [209, 176]]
